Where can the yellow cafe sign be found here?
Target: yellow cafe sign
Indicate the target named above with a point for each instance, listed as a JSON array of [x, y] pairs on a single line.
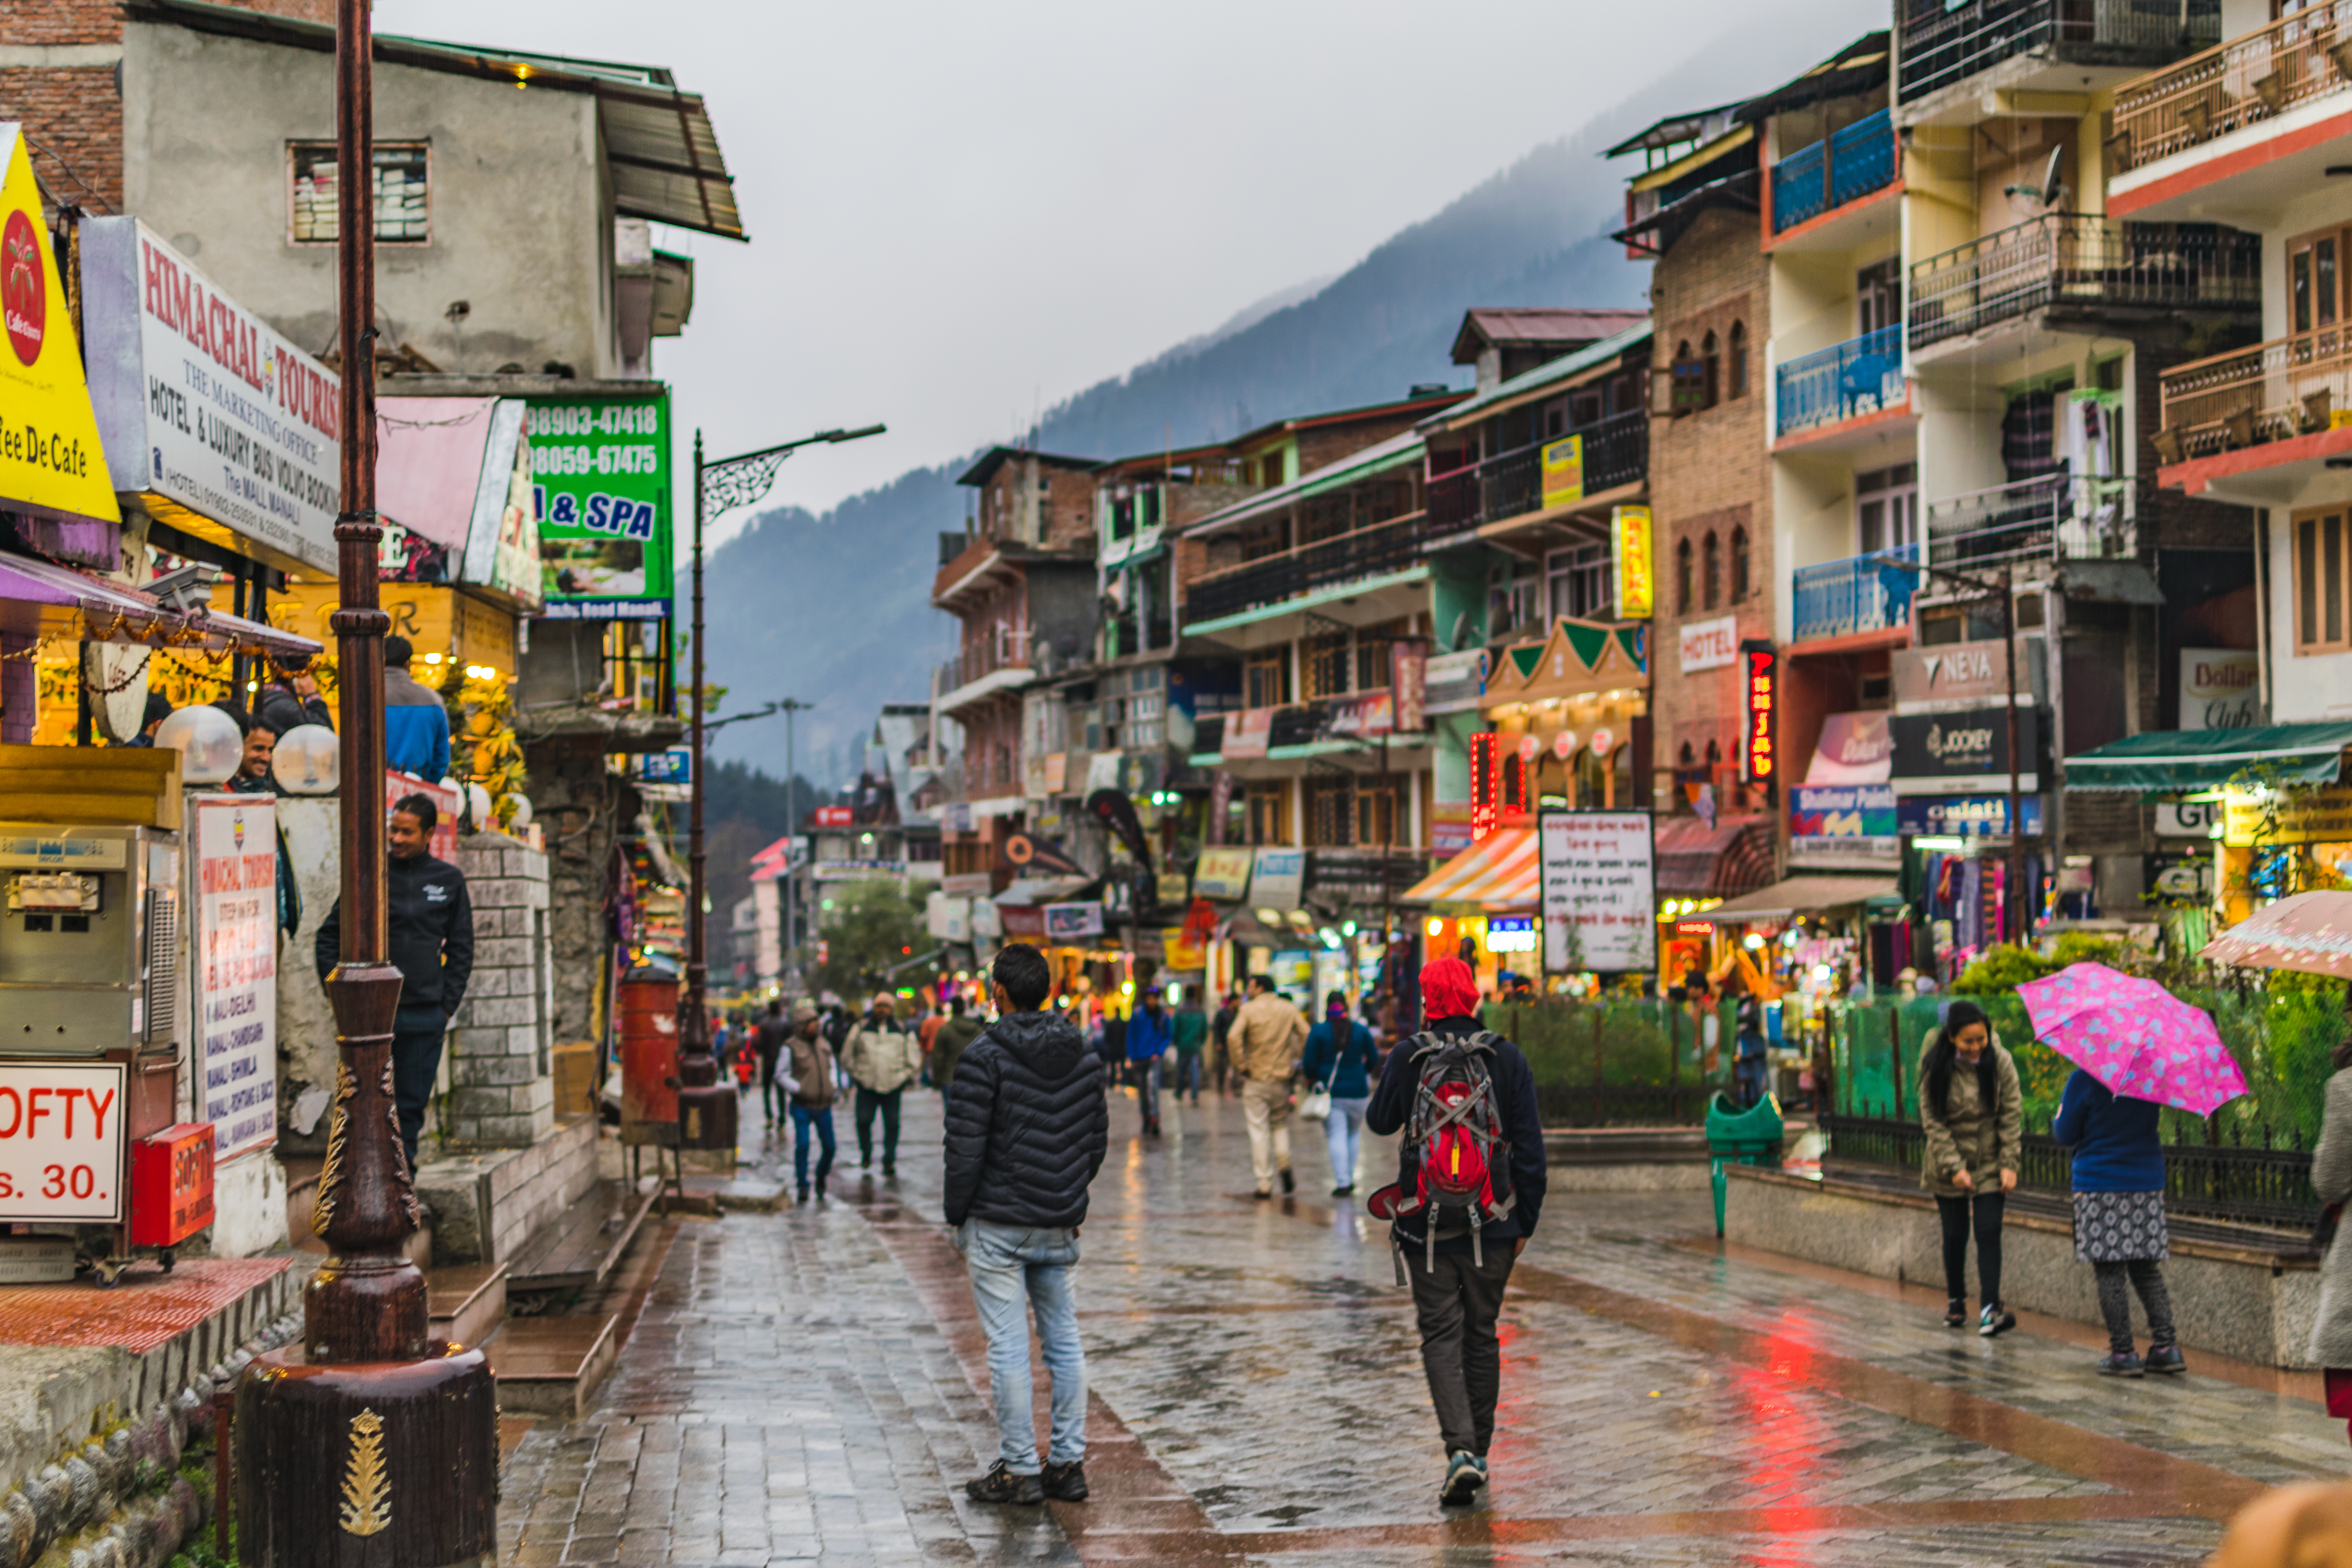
[[50, 461]]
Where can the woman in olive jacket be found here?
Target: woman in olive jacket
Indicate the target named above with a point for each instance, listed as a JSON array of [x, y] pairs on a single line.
[[2331, 1179], [1973, 1111]]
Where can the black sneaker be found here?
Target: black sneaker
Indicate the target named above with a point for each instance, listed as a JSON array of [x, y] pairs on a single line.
[[1290, 1184], [2165, 1359], [1956, 1312], [801, 1198], [1342, 1192], [1995, 1320], [2121, 1364], [1001, 1485], [1065, 1483], [1463, 1476]]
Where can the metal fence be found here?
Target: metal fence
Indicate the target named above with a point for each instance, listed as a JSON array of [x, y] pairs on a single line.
[[1860, 375], [1842, 598], [2051, 518], [1849, 163], [2083, 260], [1510, 484], [1943, 44], [1618, 1062]]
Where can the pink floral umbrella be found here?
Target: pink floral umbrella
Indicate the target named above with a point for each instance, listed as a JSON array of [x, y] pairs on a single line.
[[2134, 1037]]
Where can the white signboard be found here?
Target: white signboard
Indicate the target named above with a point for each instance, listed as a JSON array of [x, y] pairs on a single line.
[[1710, 644], [1073, 922], [201, 401], [2221, 688], [235, 970], [1279, 879], [949, 919], [1599, 891], [61, 1142]]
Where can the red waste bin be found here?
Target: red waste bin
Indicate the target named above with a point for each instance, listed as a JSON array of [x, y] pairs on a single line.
[[648, 1027]]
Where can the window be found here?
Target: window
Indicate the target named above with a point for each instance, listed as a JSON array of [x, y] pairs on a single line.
[[1265, 681], [2319, 586], [1682, 578], [1583, 583], [1710, 371], [401, 212], [1323, 662], [1735, 368], [1689, 373], [1374, 656], [1878, 296], [1740, 581], [1514, 597], [1711, 579], [1269, 812], [1887, 509], [2314, 280]]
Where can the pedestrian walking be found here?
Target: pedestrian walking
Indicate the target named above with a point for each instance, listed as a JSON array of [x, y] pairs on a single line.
[[1263, 1044], [926, 1033], [771, 1038], [416, 723], [882, 1057], [1026, 1130], [1190, 1030], [814, 1091], [1470, 1185], [1220, 1041], [1970, 1109], [1148, 1036], [955, 1034], [1749, 1060], [429, 929], [2119, 1226], [1342, 1061], [2331, 1181]]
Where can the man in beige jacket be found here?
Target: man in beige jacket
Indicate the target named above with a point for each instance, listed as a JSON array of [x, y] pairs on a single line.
[[1263, 1045], [882, 1057]]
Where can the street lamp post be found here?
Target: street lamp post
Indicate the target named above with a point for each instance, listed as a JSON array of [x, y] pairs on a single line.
[[719, 487], [372, 1446]]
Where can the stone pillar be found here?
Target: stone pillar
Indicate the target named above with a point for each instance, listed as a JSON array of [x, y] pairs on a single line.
[[501, 1069]]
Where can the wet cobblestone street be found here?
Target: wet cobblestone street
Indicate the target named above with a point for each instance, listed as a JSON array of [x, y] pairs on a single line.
[[808, 1386]]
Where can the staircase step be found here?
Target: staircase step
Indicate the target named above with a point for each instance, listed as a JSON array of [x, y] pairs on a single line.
[[579, 1247], [466, 1302], [552, 1366]]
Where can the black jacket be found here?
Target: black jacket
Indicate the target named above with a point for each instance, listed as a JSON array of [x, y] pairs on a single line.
[[278, 706], [430, 923], [1027, 1125], [1514, 1099]]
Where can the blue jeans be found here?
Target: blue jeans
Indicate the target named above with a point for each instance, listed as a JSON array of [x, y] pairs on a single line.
[[1008, 1266], [1749, 1077], [805, 1118], [1188, 1070], [1344, 1134]]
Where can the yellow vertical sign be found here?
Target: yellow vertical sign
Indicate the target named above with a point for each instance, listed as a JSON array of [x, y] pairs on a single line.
[[50, 461], [1563, 470], [1637, 583]]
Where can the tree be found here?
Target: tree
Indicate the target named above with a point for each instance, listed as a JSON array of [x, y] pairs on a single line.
[[871, 926]]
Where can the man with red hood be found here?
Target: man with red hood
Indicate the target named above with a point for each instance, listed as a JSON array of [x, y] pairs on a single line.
[[1457, 1271]]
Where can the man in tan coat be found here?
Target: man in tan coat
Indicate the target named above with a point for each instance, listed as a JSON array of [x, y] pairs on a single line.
[[1263, 1045], [882, 1057]]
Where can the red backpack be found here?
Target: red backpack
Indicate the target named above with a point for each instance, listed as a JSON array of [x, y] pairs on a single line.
[[1453, 1142]]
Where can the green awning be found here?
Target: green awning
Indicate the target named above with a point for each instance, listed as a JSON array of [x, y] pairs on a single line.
[[2166, 760]]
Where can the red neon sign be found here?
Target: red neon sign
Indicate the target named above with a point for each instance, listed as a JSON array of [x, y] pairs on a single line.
[[1485, 788], [1760, 668]]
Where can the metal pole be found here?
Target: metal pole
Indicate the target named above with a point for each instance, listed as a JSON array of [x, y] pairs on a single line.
[[791, 832], [695, 1039], [2016, 922]]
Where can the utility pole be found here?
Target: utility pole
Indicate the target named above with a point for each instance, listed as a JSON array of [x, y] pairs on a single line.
[[719, 488], [792, 708], [370, 1429]]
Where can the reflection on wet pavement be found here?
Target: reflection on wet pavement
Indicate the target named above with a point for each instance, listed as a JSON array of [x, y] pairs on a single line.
[[808, 1386]]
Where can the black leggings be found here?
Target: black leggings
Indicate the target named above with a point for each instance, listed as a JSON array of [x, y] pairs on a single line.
[[1954, 1212], [2147, 1276]]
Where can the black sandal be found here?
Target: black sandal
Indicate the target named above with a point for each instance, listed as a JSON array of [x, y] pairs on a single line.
[[1956, 1312]]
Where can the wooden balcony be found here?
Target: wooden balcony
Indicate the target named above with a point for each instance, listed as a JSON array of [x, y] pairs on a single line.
[[2287, 387]]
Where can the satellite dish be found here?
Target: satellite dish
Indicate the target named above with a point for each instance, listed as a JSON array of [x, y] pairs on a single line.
[[1461, 638], [2052, 191]]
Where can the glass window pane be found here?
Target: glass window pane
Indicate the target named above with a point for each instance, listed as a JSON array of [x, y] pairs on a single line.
[[2331, 549], [2299, 290], [2307, 563], [2324, 286]]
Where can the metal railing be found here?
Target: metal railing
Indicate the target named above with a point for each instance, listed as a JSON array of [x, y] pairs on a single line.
[[2303, 56], [1944, 44], [2085, 261], [1850, 163], [2053, 517], [1844, 598], [1510, 484], [2260, 1185], [1859, 375], [1367, 552], [1001, 647], [2288, 386]]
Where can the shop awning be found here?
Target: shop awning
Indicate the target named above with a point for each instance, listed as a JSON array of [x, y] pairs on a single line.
[[1731, 857], [50, 602], [1499, 875], [454, 472], [1801, 896], [2164, 760]]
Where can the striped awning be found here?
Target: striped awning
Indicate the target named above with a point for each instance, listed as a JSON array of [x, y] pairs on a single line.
[[1499, 876]]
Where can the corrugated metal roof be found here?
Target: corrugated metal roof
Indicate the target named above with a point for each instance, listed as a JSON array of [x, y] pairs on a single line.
[[1527, 383], [1510, 325]]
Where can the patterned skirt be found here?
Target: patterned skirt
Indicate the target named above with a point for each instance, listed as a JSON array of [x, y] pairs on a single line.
[[2117, 1227]]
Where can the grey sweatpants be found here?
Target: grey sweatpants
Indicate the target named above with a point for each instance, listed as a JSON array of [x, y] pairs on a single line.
[[1457, 1303]]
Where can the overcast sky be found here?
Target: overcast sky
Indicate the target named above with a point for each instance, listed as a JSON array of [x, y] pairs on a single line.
[[961, 212]]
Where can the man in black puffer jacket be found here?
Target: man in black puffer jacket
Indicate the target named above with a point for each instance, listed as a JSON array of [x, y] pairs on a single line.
[[1026, 1129]]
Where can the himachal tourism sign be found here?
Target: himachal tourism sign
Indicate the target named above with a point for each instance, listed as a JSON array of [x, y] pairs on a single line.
[[51, 463]]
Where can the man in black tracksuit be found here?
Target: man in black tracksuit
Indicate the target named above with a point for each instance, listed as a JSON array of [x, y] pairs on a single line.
[[1455, 1296], [1026, 1129], [430, 923]]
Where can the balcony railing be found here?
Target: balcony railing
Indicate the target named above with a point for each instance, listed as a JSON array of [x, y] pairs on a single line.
[[2053, 517], [1845, 598], [2289, 387], [1366, 553], [2084, 262], [2301, 57], [1616, 452], [1002, 648], [1944, 44], [1860, 375], [1847, 165]]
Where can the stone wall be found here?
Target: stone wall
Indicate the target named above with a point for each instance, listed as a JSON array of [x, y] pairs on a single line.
[[500, 1071]]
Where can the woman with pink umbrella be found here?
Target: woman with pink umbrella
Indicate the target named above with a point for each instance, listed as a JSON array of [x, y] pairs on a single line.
[[2136, 1047]]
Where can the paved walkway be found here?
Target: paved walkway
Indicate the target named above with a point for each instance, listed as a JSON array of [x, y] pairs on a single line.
[[807, 1388]]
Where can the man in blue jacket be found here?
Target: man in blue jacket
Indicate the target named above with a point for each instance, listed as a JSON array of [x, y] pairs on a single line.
[[1457, 1279], [415, 725], [1148, 1034]]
